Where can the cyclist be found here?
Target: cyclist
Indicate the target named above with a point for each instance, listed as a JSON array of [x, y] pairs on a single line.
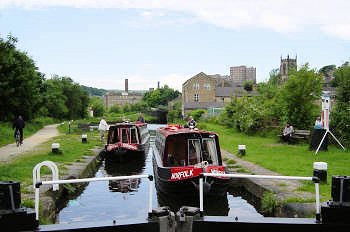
[[18, 125]]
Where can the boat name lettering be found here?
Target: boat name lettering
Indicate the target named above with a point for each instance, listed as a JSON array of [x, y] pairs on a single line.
[[217, 171], [182, 174]]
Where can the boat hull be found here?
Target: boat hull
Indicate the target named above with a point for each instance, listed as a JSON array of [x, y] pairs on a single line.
[[124, 153], [187, 187]]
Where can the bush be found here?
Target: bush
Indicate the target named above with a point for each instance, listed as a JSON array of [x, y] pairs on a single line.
[[197, 114], [115, 109], [245, 114]]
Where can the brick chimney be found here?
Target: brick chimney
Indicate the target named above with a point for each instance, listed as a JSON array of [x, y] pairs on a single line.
[[126, 85]]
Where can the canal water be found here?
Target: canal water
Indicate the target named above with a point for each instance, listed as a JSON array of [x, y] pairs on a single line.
[[117, 200]]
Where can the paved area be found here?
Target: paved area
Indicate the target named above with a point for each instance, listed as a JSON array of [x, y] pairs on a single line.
[[10, 151]]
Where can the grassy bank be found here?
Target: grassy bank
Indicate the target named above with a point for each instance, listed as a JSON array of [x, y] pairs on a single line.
[[295, 160], [72, 148], [31, 127]]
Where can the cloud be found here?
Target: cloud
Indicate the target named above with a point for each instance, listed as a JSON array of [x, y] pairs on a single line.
[[288, 16]]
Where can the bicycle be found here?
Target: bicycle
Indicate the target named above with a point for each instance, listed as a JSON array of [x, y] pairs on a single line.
[[18, 138]]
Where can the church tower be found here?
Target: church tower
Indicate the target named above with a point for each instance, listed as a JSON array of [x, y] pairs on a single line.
[[286, 65]]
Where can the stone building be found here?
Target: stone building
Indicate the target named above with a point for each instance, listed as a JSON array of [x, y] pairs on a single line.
[[204, 91], [286, 66], [122, 97], [241, 74]]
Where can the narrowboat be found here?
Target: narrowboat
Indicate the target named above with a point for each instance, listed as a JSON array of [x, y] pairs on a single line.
[[180, 155], [125, 140]]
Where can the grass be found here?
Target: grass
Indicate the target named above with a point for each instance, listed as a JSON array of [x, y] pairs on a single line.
[[72, 149], [291, 160], [31, 127]]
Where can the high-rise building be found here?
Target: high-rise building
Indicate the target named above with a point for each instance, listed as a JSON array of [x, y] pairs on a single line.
[[241, 74]]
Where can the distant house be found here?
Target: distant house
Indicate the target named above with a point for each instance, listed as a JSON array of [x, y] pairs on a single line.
[[122, 97], [204, 91]]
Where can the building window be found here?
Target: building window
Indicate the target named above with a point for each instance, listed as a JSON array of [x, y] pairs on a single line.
[[206, 86], [196, 97], [195, 86]]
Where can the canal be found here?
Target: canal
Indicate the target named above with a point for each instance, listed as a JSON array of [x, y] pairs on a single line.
[[118, 200]]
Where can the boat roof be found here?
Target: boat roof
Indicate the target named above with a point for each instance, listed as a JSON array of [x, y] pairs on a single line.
[[129, 124], [179, 129]]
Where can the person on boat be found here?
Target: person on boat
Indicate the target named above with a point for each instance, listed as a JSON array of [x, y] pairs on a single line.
[[141, 118], [287, 132], [102, 127], [191, 123]]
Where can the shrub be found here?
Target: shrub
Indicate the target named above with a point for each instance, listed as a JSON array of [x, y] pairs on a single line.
[[197, 114]]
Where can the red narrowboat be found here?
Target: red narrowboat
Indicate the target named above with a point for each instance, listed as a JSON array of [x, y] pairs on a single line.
[[126, 139], [181, 154]]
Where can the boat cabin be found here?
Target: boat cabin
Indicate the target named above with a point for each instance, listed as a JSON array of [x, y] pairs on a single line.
[[187, 147], [127, 133]]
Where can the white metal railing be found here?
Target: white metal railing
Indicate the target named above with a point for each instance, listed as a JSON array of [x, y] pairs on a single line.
[[54, 171], [314, 179], [57, 182]]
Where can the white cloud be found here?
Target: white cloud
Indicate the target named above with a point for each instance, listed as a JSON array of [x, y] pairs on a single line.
[[288, 16]]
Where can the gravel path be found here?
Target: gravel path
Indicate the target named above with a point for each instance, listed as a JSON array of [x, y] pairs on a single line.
[[10, 151]]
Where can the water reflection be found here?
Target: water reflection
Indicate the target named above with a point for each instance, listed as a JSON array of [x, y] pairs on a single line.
[[133, 167]]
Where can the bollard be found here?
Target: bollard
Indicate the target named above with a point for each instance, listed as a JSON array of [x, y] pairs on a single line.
[[55, 147], [241, 149], [84, 138], [320, 171]]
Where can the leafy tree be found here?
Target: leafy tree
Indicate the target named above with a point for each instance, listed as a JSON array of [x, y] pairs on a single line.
[[54, 100], [175, 113], [97, 106], [296, 100], [75, 99], [94, 91], [197, 114], [325, 70], [115, 109], [248, 85], [341, 113], [126, 108], [20, 82], [160, 96], [247, 114]]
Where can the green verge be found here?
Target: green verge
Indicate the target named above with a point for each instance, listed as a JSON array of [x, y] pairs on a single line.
[[72, 150], [31, 127], [291, 160]]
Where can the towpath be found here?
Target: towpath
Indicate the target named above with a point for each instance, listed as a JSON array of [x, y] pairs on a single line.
[[10, 151], [284, 188]]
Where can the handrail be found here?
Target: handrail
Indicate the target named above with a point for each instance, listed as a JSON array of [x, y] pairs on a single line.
[[54, 170], [84, 180], [314, 179]]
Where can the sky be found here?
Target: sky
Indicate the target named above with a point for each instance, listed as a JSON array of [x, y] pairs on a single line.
[[99, 43]]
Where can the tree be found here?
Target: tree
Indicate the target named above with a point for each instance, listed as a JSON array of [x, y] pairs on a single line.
[[296, 100], [341, 112], [61, 90], [20, 82], [160, 96], [248, 86], [97, 106], [54, 100]]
